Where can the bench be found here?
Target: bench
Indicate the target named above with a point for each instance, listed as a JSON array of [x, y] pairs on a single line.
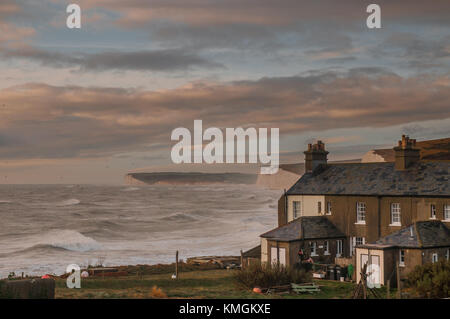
[[305, 288]]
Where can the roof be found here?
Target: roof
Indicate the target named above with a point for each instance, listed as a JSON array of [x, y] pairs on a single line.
[[431, 150], [372, 179], [422, 234], [313, 227], [255, 252]]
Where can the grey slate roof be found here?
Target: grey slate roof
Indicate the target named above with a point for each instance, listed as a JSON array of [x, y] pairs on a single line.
[[423, 234], [313, 227], [255, 252], [421, 179]]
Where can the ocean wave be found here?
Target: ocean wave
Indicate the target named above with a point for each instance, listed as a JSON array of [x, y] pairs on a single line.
[[67, 240], [69, 202], [179, 217]]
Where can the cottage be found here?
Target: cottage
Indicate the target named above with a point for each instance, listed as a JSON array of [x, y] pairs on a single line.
[[302, 238], [364, 201], [420, 243]]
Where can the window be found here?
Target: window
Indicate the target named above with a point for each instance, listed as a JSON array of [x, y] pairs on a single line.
[[432, 211], [395, 214], [360, 213], [359, 241], [447, 254], [447, 212], [338, 248], [313, 246], [297, 208], [434, 258], [328, 208], [402, 258], [319, 208], [354, 242], [326, 248]]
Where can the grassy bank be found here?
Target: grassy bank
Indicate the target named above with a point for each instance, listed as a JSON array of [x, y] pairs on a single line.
[[215, 283]]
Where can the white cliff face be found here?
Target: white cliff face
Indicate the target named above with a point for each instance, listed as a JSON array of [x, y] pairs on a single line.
[[130, 180], [372, 157], [281, 180]]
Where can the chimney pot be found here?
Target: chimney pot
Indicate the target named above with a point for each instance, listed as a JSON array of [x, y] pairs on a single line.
[[406, 154], [315, 155]]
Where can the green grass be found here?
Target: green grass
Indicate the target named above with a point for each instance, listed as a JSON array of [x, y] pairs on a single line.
[[208, 284]]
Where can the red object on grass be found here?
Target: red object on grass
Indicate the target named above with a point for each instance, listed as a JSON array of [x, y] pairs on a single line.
[[45, 277]]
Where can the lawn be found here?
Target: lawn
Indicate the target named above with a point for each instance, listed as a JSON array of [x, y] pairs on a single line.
[[216, 283]]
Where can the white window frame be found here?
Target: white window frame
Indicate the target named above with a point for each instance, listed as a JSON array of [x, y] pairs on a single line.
[[329, 208], [447, 212], [313, 248], [432, 211], [326, 247], [401, 258], [396, 214], [296, 209], [339, 246], [447, 254], [434, 258], [361, 211], [360, 241], [353, 243]]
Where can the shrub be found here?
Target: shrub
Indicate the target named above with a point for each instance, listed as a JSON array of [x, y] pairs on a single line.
[[431, 280], [265, 276], [157, 293]]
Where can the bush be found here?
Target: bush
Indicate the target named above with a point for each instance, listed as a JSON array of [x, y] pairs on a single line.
[[431, 280], [158, 293], [266, 276]]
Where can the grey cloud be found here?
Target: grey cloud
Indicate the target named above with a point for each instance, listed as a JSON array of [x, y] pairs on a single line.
[[72, 121], [157, 60]]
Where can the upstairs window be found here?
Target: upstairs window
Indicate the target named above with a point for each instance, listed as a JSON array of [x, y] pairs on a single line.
[[360, 213], [395, 214], [328, 208], [432, 211], [297, 208], [447, 212]]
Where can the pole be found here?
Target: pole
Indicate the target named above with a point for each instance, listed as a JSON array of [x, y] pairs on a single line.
[[399, 288], [242, 260], [388, 291], [176, 265]]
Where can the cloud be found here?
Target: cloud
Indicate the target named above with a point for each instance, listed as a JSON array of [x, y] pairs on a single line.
[[72, 121], [157, 60], [138, 13]]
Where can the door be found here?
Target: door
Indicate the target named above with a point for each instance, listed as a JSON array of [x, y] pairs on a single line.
[[374, 273], [282, 255], [273, 255]]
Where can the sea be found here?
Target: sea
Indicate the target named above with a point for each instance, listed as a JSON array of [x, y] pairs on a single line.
[[45, 228]]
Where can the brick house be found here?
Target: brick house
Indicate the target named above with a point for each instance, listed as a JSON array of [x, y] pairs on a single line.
[[367, 201]]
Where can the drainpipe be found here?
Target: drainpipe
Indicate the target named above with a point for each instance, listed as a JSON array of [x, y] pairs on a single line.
[[379, 217]]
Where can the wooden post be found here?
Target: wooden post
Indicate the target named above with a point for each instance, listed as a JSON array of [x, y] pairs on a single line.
[[176, 265], [399, 288], [388, 289], [242, 260]]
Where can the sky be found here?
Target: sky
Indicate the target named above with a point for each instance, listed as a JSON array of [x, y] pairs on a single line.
[[92, 104]]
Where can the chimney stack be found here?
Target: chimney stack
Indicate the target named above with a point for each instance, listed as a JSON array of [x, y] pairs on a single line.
[[406, 153], [315, 156]]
